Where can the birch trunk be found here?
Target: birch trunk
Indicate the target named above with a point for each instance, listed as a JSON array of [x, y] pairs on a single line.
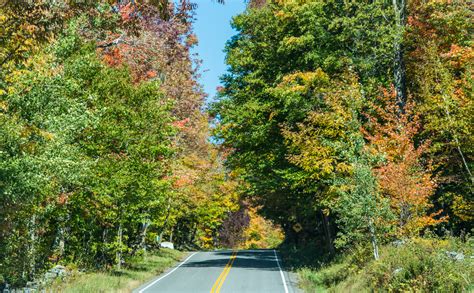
[[119, 251], [373, 239], [399, 7], [143, 236]]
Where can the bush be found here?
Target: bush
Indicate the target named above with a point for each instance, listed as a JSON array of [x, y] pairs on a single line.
[[418, 265], [423, 264]]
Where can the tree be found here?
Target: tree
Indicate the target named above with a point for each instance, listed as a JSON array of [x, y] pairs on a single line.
[[306, 43], [439, 71], [92, 144], [330, 149], [404, 180]]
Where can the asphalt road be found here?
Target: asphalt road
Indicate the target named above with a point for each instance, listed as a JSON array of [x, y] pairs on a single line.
[[224, 271]]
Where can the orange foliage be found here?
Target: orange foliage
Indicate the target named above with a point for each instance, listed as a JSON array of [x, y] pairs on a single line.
[[127, 11], [63, 198], [113, 57], [181, 124], [403, 178], [151, 74], [182, 182], [459, 56]]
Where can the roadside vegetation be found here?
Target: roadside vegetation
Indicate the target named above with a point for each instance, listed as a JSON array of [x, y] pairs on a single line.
[[137, 271], [428, 264]]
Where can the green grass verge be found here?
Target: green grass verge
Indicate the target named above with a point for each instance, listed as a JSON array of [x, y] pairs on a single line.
[[137, 271]]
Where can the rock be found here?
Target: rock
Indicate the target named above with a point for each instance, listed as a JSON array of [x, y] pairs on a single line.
[[455, 255], [398, 243], [32, 285], [59, 270], [398, 270], [6, 289], [167, 245], [49, 276]]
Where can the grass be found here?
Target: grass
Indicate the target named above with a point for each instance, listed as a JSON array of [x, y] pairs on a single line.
[[137, 271], [419, 265]]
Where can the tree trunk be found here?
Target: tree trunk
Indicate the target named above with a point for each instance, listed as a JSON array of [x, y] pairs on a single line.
[[143, 236], [165, 221], [327, 232], [161, 237], [32, 248], [399, 7], [373, 239], [62, 242], [119, 251], [193, 234]]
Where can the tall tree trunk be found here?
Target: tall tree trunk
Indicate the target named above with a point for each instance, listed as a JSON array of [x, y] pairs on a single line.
[[62, 242], [327, 232], [143, 235], [373, 239], [193, 234], [119, 251], [32, 246], [399, 7]]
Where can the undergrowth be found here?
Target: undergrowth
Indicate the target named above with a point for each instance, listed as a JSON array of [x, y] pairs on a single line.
[[417, 265], [137, 271]]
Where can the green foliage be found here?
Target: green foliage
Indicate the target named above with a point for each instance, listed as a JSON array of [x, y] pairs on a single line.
[[302, 76], [424, 265], [97, 137], [286, 65], [90, 138]]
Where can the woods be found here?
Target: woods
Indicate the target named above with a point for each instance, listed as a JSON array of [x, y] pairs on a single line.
[[347, 124], [353, 120], [104, 149]]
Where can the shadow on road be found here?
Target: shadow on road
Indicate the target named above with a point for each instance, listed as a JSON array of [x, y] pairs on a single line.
[[251, 260]]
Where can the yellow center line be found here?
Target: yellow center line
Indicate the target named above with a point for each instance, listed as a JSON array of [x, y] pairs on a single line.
[[228, 270], [222, 273], [217, 285]]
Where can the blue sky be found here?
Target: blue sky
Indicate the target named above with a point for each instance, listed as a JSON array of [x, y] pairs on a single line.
[[213, 29]]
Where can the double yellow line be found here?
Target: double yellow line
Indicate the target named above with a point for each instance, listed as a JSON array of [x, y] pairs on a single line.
[[216, 288]]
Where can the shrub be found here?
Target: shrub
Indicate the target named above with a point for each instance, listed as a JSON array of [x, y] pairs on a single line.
[[417, 265], [431, 265]]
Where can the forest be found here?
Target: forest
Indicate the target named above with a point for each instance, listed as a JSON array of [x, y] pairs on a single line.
[[342, 133]]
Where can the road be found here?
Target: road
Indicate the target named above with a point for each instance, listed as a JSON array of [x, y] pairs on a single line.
[[224, 271]]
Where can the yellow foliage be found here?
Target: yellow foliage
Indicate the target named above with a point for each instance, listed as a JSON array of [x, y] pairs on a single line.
[[261, 233], [463, 208]]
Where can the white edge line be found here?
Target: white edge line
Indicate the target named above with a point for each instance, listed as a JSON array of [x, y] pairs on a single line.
[[281, 272], [152, 283]]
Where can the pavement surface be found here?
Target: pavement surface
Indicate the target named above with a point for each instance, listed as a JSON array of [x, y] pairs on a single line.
[[225, 271]]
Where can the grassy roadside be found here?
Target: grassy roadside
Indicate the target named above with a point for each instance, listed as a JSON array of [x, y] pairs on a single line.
[[418, 265], [137, 271]]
